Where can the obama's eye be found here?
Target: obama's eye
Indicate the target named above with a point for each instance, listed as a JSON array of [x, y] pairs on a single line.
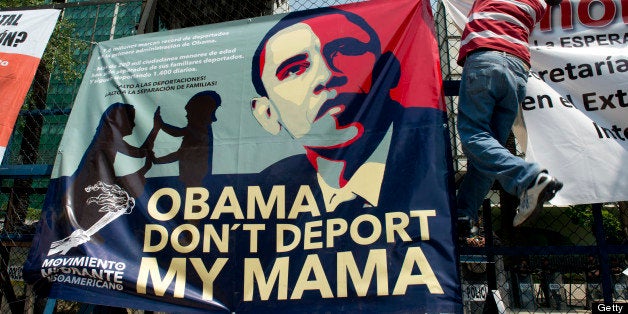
[[292, 67]]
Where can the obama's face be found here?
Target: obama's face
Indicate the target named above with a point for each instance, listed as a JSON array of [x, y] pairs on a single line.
[[317, 77]]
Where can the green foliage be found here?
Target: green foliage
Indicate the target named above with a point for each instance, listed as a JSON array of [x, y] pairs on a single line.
[[19, 3], [33, 214], [582, 215], [59, 55]]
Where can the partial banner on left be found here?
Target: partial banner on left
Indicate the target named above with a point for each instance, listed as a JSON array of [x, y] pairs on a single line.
[[23, 39]]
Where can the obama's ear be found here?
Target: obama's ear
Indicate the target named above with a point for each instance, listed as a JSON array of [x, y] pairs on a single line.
[[265, 113]]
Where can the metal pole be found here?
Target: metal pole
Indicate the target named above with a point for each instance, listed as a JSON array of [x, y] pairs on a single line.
[[148, 15], [490, 304], [605, 269]]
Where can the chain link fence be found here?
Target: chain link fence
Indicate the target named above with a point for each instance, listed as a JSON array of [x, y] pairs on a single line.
[[570, 257]]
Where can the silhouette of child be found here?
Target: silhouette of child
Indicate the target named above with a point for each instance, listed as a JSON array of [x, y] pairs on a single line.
[[196, 150]]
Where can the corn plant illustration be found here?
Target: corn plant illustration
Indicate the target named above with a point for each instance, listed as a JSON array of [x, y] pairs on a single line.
[[113, 201]]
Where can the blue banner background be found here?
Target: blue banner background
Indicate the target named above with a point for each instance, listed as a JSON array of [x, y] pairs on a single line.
[[140, 199]]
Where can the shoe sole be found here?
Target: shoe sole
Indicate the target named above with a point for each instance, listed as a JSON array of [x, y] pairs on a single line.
[[546, 194]]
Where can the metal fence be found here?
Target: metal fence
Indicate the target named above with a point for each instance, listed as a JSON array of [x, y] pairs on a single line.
[[569, 258]]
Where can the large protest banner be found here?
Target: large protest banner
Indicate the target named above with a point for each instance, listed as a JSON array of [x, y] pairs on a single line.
[[23, 39], [287, 163], [576, 108], [576, 111]]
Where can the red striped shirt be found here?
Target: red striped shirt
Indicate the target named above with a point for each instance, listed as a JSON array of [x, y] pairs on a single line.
[[502, 25]]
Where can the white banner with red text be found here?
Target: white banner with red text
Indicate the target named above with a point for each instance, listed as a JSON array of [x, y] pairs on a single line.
[[576, 108], [23, 39]]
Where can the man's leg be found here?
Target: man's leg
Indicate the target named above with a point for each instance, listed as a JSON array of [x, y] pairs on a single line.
[[516, 174], [526, 180], [471, 192], [475, 108], [481, 89], [491, 88]]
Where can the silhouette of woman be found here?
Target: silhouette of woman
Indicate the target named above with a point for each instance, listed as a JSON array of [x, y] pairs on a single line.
[[96, 173]]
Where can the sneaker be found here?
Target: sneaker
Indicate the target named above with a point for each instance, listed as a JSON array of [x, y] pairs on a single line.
[[467, 228], [476, 241], [542, 190]]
